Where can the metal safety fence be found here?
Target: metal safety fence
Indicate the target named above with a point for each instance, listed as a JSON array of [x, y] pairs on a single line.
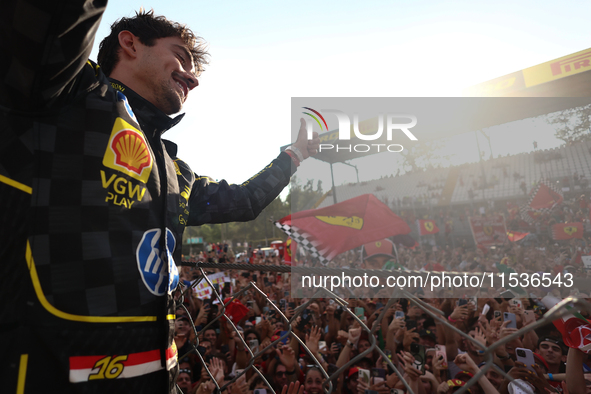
[[330, 381]]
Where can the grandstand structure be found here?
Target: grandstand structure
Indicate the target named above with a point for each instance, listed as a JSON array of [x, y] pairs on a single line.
[[508, 179], [504, 179]]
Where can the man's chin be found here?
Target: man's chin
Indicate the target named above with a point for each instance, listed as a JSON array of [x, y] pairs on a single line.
[[174, 110], [171, 104]]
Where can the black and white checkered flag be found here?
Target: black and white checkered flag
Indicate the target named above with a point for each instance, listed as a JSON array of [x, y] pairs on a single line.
[[526, 211], [303, 239]]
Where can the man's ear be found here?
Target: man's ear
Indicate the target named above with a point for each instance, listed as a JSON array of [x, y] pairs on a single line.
[[128, 43]]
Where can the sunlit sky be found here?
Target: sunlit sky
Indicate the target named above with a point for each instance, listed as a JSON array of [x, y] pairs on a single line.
[[263, 53]]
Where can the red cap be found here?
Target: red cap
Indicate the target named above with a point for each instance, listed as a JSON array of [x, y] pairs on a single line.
[[461, 374], [352, 372], [383, 247], [457, 383]]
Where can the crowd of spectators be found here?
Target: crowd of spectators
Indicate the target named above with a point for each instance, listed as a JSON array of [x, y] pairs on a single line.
[[432, 357], [453, 220]]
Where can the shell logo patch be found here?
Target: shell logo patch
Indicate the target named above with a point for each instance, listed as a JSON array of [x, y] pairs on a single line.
[[128, 152]]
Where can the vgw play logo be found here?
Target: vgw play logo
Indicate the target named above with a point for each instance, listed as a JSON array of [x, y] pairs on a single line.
[[360, 131]]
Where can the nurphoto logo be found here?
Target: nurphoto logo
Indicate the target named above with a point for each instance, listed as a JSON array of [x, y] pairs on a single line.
[[369, 130]]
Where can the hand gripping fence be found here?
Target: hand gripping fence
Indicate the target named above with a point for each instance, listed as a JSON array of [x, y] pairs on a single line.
[[330, 381]]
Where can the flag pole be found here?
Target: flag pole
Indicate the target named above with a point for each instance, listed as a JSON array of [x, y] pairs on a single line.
[[412, 201], [361, 255], [481, 164], [334, 189]]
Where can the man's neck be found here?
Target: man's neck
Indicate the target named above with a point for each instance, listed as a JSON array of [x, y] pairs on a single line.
[[554, 368], [153, 121]]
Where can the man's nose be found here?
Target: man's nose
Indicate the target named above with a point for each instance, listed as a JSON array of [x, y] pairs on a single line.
[[191, 80]]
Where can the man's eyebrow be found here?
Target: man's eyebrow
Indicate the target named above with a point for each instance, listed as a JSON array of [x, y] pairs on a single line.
[[185, 51]]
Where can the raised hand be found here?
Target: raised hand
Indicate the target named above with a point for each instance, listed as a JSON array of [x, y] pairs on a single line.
[[206, 387], [240, 386], [342, 336], [409, 337], [354, 334], [334, 349], [460, 313], [397, 324], [443, 388], [312, 339], [504, 331], [306, 147], [408, 361], [479, 336], [293, 388], [287, 357], [465, 362], [217, 370]]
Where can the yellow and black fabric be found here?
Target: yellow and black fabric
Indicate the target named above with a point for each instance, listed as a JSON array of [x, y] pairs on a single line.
[[93, 204]]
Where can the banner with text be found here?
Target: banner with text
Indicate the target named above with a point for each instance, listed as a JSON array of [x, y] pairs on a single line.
[[203, 290]]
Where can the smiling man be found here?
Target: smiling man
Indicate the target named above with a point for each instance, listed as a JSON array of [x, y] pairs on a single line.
[[158, 59], [95, 201], [551, 350]]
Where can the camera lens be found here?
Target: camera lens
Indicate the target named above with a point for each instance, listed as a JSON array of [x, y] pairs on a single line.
[[521, 353]]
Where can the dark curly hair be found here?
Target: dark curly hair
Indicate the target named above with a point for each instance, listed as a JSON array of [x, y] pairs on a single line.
[[148, 28]]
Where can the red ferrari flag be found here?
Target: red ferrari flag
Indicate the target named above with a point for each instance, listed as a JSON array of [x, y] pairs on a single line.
[[515, 236], [545, 197], [562, 231], [290, 252], [329, 231], [427, 227], [235, 310], [542, 199], [488, 231]]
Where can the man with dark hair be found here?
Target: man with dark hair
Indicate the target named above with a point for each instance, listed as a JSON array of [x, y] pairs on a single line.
[[551, 349], [279, 377], [210, 335], [148, 28], [145, 53], [95, 202], [185, 380]]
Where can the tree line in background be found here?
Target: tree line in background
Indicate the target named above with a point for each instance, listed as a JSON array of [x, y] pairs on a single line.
[[262, 230], [572, 124]]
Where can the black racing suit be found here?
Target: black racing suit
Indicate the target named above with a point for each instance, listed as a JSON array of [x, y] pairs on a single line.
[[93, 204]]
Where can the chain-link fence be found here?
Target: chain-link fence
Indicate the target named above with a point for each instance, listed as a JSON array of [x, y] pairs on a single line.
[[330, 381]]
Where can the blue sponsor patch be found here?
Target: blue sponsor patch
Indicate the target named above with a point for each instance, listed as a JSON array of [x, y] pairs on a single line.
[[121, 97], [157, 277]]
